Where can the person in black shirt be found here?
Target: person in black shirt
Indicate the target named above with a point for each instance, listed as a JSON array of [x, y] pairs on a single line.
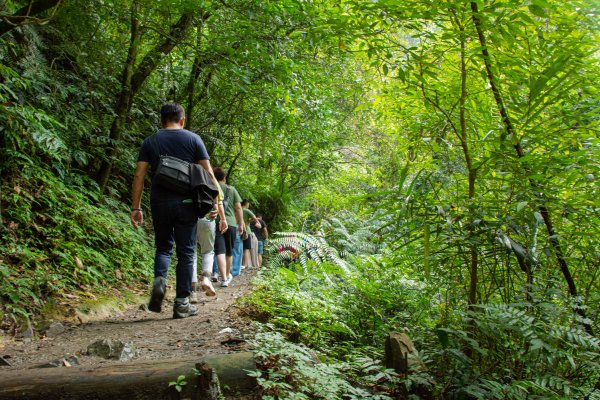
[[173, 215]]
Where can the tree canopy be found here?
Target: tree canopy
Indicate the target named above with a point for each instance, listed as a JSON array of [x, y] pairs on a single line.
[[453, 143]]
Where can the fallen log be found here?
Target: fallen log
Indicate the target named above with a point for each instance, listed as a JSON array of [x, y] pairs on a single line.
[[137, 380]]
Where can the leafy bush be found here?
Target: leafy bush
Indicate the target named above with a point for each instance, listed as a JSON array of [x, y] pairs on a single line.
[[288, 371], [519, 351], [533, 349], [57, 240]]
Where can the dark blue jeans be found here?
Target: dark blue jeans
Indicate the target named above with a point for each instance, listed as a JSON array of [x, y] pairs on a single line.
[[174, 222]]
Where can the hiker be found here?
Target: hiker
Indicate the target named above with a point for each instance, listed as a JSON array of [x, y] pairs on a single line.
[[238, 251], [250, 219], [224, 242], [174, 217], [206, 231], [262, 234]]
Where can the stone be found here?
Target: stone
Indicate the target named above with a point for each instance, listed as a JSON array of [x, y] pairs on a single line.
[[402, 356], [27, 333], [115, 350], [398, 347], [54, 329]]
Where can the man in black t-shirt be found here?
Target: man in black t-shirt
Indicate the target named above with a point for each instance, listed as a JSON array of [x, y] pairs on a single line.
[[259, 228], [173, 215]]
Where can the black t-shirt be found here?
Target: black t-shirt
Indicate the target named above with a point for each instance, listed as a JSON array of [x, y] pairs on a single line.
[[179, 143], [258, 231]]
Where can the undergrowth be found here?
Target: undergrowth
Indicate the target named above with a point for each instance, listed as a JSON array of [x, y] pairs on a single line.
[[318, 315], [289, 371], [60, 240]]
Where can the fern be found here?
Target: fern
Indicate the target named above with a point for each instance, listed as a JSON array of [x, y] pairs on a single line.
[[55, 240], [521, 354], [302, 248], [359, 241], [291, 371]]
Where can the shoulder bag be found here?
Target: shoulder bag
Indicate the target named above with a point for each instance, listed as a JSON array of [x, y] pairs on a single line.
[[171, 172]]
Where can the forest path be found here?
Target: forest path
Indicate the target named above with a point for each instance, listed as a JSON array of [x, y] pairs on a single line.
[[155, 336]]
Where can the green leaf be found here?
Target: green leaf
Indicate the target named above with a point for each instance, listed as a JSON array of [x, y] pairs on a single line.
[[538, 11]]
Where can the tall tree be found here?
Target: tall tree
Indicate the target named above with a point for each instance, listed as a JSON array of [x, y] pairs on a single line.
[[133, 78]]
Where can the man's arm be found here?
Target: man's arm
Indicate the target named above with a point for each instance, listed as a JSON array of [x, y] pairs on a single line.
[[137, 188], [251, 217], [239, 217], [220, 210]]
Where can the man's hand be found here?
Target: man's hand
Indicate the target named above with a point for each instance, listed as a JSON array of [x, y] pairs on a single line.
[[241, 229], [137, 218], [223, 226]]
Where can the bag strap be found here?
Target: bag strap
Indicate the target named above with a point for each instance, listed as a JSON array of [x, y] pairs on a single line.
[[155, 145], [226, 194]]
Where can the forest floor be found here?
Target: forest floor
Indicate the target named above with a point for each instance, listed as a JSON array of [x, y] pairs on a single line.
[[219, 328]]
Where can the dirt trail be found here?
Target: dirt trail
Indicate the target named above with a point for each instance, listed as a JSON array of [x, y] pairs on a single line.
[[155, 336]]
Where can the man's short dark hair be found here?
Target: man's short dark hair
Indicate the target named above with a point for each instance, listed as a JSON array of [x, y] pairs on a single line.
[[171, 112], [219, 173], [258, 215], [245, 201]]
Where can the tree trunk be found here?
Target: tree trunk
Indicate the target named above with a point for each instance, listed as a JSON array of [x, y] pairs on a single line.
[[197, 67], [28, 14], [520, 153], [469, 162], [131, 88], [124, 100], [134, 380]]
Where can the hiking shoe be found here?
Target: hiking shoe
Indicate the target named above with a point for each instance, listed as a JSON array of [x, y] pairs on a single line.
[[207, 287], [227, 281], [184, 309], [159, 288], [193, 297], [215, 277]]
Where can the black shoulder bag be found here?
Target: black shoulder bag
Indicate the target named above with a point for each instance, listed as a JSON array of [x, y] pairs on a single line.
[[171, 172]]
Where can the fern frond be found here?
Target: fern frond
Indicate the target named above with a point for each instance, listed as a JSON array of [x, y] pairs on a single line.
[[302, 248]]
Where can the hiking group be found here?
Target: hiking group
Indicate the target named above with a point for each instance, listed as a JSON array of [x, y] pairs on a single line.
[[229, 237]]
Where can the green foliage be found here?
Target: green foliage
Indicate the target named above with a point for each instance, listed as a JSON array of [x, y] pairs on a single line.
[[533, 348], [289, 371], [330, 302], [353, 236], [58, 240], [179, 383], [26, 129], [520, 351], [304, 248], [373, 124]]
